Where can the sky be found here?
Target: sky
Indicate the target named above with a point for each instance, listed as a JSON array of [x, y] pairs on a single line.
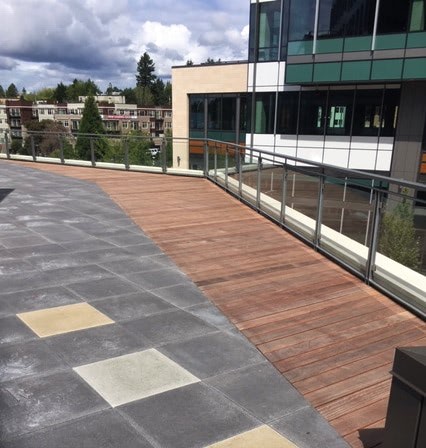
[[44, 42]]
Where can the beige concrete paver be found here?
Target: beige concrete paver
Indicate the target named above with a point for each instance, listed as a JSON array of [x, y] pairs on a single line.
[[131, 377], [64, 319], [263, 436]]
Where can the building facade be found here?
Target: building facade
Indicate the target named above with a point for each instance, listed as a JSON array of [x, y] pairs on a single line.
[[341, 82]]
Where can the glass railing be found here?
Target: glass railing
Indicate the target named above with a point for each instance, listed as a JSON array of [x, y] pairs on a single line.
[[373, 225]]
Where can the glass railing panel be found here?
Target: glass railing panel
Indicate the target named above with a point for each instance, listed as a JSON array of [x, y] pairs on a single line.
[[347, 217], [400, 261], [271, 188], [301, 208]]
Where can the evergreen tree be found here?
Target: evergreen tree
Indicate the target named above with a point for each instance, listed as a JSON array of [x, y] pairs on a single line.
[[91, 123], [2, 92], [189, 62], [61, 93], [144, 96], [12, 91], [398, 239], [145, 76], [130, 95]]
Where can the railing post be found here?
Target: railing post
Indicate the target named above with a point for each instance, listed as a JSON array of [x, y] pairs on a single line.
[[259, 178], [320, 205], [206, 159], [33, 148], [92, 152], [374, 238], [215, 162], [163, 154], [283, 193], [61, 149], [126, 153], [240, 173], [226, 167], [6, 142]]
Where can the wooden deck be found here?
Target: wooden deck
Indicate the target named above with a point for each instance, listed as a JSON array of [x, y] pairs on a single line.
[[331, 335]]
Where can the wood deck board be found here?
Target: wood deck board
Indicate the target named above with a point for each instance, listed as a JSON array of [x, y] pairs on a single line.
[[329, 333]]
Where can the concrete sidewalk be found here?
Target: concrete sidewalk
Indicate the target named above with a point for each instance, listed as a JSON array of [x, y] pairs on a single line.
[[105, 343]]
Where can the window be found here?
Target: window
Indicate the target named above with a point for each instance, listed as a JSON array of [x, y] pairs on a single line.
[[312, 112], [367, 112], [302, 20], [229, 113], [41, 112], [134, 125], [390, 112], [125, 124], [288, 106], [268, 30], [196, 112], [264, 113], [340, 18], [393, 16], [145, 125], [66, 124], [214, 112], [339, 114], [417, 19]]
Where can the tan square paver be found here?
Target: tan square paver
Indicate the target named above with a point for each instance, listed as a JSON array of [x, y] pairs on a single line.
[[64, 319], [132, 377], [263, 436]]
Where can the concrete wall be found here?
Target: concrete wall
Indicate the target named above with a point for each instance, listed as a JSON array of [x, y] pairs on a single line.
[[220, 78], [409, 135]]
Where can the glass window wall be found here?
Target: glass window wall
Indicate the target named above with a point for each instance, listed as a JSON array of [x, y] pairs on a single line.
[[196, 115], [288, 106], [417, 17], [302, 20], [339, 113], [393, 16], [390, 112], [345, 18], [312, 112], [268, 31], [367, 112], [264, 113]]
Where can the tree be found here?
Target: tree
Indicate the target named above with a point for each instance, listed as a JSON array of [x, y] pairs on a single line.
[[211, 61], [111, 89], [46, 137], [91, 123], [189, 62], [2, 92], [144, 96], [81, 88], [12, 91], [398, 239], [60, 94], [145, 76], [130, 95]]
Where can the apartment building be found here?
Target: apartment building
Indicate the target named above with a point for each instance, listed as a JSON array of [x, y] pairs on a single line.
[[117, 116], [341, 82]]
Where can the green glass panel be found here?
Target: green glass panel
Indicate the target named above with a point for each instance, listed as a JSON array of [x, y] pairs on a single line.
[[356, 71], [196, 134], [358, 43], [416, 40], [387, 69], [329, 46], [415, 68], [390, 41], [214, 135], [327, 72], [297, 73], [417, 21], [228, 136], [300, 47]]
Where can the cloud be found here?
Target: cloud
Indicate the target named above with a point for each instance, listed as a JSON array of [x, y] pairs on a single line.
[[104, 39]]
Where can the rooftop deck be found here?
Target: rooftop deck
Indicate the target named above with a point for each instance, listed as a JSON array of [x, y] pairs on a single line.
[[328, 333]]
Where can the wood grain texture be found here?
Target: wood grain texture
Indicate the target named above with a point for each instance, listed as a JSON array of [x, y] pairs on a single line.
[[324, 329]]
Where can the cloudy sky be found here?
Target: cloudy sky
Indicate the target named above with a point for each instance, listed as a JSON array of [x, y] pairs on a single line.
[[43, 42]]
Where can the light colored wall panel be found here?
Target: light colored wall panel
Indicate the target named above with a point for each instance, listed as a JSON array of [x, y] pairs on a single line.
[[338, 157], [362, 159], [384, 159]]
